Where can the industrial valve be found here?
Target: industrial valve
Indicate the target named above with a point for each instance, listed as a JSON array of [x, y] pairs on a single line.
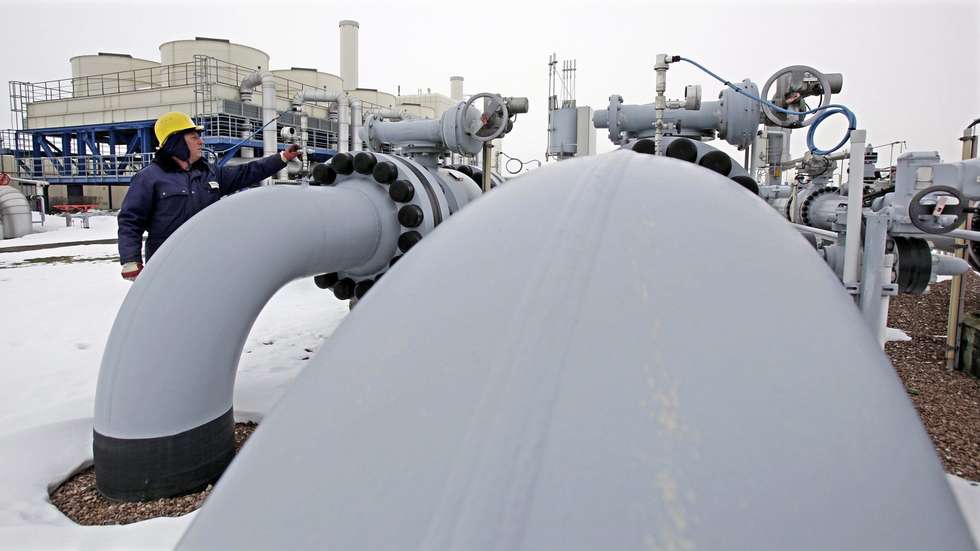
[[930, 196], [793, 85], [938, 209], [462, 129], [423, 194], [496, 118]]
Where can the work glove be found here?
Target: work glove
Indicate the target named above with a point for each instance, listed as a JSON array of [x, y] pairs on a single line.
[[131, 269], [290, 153]]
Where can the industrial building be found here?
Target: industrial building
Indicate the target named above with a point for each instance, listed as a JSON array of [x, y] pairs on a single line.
[[87, 135]]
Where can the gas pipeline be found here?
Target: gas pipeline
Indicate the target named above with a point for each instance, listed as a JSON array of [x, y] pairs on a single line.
[[163, 419]]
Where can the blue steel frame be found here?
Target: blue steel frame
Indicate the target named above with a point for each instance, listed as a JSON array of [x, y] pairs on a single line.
[[137, 136], [86, 141]]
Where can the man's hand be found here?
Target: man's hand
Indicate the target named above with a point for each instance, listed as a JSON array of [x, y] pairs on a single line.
[[131, 269], [291, 153]]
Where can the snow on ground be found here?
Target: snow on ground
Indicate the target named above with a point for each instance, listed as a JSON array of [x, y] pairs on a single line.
[[59, 305], [895, 334], [56, 230]]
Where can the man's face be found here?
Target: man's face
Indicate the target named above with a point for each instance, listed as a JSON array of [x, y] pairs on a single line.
[[195, 144]]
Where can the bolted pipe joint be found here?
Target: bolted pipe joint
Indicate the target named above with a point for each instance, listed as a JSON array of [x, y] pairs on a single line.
[[419, 199]]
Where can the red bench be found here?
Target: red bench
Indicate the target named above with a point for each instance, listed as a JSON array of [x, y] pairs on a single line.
[[74, 208]]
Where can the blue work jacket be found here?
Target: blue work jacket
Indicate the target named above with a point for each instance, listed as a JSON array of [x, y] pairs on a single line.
[[161, 198]]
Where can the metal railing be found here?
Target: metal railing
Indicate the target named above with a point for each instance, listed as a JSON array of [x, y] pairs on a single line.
[[321, 133], [200, 73], [12, 140], [190, 73], [82, 169]]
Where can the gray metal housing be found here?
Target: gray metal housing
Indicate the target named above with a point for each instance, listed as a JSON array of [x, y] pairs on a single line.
[[916, 171], [734, 117], [563, 131], [556, 369], [453, 132]]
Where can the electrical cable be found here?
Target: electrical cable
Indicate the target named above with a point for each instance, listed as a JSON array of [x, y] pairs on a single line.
[[520, 163], [827, 111]]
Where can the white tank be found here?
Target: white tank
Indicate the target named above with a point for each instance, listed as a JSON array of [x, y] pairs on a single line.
[[417, 111], [183, 51], [348, 53], [374, 97], [311, 78], [141, 74]]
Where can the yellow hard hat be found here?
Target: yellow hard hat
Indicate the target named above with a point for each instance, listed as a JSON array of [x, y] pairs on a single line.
[[174, 121]]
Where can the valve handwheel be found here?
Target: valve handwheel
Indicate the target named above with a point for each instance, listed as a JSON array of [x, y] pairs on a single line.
[[798, 74], [933, 202], [494, 119]]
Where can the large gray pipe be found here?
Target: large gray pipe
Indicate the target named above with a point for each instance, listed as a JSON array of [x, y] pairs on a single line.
[[550, 369], [163, 418]]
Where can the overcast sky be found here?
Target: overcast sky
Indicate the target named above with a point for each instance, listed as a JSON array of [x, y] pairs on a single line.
[[910, 69]]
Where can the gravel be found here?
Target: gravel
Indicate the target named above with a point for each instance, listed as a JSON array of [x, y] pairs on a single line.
[[80, 501], [948, 403]]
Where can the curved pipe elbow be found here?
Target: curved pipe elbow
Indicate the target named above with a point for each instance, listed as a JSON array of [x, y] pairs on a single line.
[[343, 111], [180, 331], [304, 96], [253, 80]]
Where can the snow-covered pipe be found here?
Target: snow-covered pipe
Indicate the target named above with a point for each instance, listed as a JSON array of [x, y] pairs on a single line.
[[163, 406], [576, 406], [343, 112], [356, 121], [15, 213], [270, 145]]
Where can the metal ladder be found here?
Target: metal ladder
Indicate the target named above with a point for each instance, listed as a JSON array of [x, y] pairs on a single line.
[[203, 77]]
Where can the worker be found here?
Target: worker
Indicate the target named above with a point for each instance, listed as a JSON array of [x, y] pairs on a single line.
[[178, 184]]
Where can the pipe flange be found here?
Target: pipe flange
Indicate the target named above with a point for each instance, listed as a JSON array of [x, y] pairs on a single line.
[[419, 206], [913, 265], [808, 202]]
